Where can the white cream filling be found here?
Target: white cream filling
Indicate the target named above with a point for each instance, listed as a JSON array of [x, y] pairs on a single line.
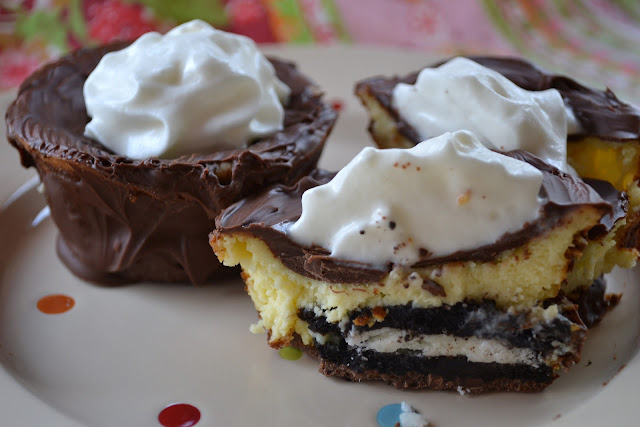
[[388, 340], [319, 338]]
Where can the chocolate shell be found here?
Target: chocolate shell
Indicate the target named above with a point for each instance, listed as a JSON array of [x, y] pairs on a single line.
[[122, 220], [267, 215], [600, 113]]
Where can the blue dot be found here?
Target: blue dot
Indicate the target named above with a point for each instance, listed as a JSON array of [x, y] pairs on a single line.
[[389, 415]]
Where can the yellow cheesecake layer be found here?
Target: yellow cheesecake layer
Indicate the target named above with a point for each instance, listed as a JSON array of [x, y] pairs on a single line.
[[520, 277], [382, 126], [615, 162]]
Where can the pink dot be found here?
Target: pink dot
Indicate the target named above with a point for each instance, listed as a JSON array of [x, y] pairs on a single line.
[[179, 415]]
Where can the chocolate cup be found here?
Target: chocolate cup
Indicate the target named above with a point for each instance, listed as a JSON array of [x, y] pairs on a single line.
[[600, 113], [122, 220]]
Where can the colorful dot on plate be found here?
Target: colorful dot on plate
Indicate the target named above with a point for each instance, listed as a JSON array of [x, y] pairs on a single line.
[[337, 105], [290, 353], [389, 415], [55, 304], [179, 415]]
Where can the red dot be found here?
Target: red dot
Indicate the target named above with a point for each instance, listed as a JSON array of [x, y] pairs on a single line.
[[55, 304], [337, 105], [179, 415]]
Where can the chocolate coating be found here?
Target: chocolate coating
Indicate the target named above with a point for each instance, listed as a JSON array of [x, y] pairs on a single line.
[[600, 113], [267, 215], [124, 220]]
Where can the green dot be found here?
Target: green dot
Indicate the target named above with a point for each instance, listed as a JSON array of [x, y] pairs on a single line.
[[290, 353]]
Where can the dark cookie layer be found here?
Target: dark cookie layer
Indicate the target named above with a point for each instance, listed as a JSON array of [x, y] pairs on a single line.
[[124, 220], [593, 303], [415, 374], [482, 377], [469, 319], [409, 369]]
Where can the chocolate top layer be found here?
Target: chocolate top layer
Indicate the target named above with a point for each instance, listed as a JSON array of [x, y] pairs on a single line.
[[49, 115], [267, 215], [132, 220], [600, 113]]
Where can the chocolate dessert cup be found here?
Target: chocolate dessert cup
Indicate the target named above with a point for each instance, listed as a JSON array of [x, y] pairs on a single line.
[[123, 220]]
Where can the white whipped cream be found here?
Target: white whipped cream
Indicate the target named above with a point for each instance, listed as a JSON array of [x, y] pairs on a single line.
[[464, 95], [446, 194], [194, 90]]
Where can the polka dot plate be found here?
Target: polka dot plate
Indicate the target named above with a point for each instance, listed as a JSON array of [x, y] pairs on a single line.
[[75, 354]]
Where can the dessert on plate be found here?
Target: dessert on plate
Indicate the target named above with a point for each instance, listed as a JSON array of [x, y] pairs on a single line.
[[465, 287], [603, 131], [472, 260], [141, 145]]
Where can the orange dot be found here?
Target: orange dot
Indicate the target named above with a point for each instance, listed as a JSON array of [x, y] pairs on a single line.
[[55, 304]]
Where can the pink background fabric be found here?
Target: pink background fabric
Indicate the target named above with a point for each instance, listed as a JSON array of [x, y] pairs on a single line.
[[595, 41]]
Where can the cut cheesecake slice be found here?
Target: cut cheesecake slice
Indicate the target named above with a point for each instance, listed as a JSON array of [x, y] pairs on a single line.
[[503, 316]]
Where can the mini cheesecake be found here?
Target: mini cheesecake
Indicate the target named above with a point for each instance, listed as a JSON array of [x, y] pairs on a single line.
[[606, 147], [505, 316], [125, 220]]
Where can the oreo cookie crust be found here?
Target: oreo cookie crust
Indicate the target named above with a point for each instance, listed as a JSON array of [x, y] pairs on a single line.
[[123, 220], [523, 334]]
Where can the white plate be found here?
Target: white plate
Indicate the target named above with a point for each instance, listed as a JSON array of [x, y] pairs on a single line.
[[122, 354]]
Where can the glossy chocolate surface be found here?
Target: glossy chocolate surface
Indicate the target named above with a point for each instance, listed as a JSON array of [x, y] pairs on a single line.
[[267, 215], [600, 113], [125, 220]]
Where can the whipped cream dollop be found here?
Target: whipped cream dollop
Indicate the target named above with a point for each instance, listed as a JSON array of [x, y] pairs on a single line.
[[193, 90], [446, 194], [464, 95]]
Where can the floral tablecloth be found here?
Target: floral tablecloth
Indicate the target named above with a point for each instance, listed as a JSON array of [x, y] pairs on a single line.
[[594, 40]]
